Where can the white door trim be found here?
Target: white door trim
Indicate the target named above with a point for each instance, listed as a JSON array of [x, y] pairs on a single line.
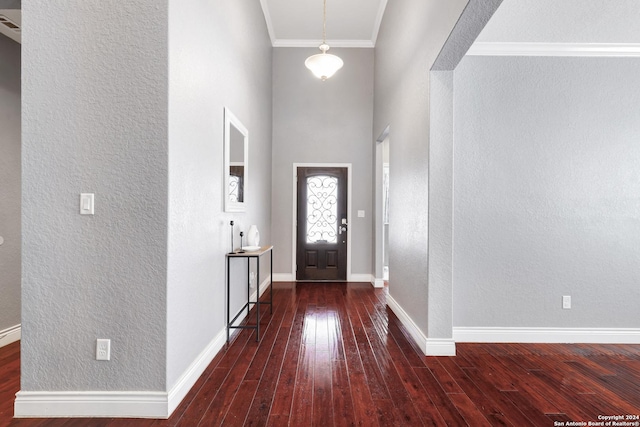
[[294, 209], [378, 267]]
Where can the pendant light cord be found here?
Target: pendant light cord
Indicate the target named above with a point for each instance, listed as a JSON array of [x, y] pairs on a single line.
[[324, 23]]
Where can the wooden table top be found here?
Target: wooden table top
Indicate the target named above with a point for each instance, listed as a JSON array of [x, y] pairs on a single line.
[[257, 252]]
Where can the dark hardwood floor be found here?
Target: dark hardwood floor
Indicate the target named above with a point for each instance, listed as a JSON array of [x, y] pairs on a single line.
[[335, 355]]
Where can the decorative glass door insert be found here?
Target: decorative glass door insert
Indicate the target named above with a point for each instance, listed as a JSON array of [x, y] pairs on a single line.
[[322, 209], [234, 186]]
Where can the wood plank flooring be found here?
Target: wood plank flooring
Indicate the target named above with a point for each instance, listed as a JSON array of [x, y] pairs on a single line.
[[333, 354]]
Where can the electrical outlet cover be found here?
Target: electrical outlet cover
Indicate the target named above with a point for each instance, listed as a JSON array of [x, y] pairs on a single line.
[[103, 349]]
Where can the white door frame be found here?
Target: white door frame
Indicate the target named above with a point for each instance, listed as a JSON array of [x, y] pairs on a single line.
[[294, 208], [378, 280]]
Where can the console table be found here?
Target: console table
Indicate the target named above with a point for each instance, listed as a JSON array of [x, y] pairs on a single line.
[[257, 254]]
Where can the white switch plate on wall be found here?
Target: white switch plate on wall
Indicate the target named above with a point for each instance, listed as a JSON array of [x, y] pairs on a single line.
[[360, 214], [86, 203], [566, 302]]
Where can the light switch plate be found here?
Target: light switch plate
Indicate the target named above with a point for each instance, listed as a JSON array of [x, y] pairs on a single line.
[[360, 214], [86, 203]]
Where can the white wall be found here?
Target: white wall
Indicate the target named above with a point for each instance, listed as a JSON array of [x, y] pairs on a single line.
[[547, 192], [411, 36], [323, 122], [9, 183], [219, 56]]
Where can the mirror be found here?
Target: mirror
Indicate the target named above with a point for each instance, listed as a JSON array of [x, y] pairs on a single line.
[[236, 156]]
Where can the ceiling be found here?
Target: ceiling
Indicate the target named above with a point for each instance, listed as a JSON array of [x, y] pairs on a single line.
[[355, 23], [566, 21], [298, 23]]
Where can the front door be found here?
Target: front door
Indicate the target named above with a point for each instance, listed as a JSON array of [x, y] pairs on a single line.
[[322, 223]]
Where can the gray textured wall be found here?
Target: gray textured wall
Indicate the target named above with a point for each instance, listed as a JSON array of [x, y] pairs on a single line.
[[323, 122], [9, 183], [220, 56], [140, 123], [410, 38], [547, 191], [94, 120]]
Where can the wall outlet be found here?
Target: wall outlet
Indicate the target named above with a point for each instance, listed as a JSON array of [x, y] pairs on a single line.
[[566, 302], [103, 349]]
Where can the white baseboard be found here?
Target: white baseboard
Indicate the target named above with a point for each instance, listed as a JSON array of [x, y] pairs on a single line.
[[106, 404], [10, 335], [191, 375], [360, 278], [189, 378], [440, 347], [283, 277], [547, 335], [288, 277], [263, 287], [408, 323], [429, 346], [377, 283], [98, 404]]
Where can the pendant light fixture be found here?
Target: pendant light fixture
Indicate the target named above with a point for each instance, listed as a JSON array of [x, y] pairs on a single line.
[[324, 65]]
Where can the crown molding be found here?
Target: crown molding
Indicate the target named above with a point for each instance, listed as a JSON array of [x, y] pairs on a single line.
[[275, 42], [555, 49], [316, 43], [267, 19], [378, 22]]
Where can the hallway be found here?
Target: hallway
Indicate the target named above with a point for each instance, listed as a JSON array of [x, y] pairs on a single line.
[[334, 354]]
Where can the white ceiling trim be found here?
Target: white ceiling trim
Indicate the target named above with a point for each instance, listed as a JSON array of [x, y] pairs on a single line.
[[376, 25], [267, 18], [275, 42], [316, 43], [555, 49]]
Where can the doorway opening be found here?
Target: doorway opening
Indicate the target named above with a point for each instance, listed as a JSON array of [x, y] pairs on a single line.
[[385, 210], [382, 207]]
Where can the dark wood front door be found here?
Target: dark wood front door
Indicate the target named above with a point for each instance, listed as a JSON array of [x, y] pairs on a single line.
[[322, 223]]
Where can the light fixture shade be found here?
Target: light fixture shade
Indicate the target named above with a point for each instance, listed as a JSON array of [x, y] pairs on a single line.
[[323, 65]]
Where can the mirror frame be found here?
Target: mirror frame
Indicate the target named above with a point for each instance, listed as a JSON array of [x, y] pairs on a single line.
[[231, 120]]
